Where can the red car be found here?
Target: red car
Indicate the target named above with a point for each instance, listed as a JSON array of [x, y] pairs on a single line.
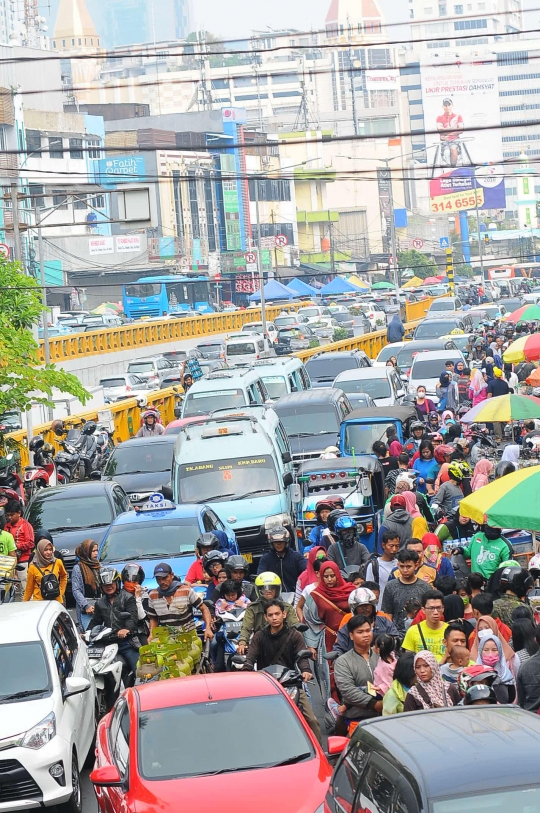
[[227, 742], [174, 427]]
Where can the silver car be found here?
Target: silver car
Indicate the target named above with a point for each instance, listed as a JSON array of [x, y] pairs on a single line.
[[154, 370], [126, 385]]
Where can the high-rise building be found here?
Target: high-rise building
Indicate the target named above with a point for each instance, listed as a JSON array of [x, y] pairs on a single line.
[[124, 22], [437, 24]]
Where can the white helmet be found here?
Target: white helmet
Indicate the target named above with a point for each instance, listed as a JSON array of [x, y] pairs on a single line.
[[362, 595], [330, 453]]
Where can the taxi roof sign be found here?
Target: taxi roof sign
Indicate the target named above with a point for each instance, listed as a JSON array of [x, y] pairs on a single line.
[[156, 502]]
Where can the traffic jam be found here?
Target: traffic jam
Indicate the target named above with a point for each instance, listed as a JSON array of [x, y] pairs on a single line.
[[315, 588]]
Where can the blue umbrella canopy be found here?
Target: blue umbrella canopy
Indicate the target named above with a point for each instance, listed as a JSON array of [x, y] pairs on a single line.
[[298, 286], [340, 286], [273, 290]]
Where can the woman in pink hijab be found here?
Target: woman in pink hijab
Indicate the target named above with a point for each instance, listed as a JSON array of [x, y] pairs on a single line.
[[419, 524], [482, 471]]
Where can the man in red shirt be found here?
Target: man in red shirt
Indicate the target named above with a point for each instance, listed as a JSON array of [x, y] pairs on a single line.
[[23, 534], [450, 125]]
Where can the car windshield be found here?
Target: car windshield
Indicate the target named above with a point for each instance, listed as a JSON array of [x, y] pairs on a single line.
[[147, 458], [376, 387], [517, 800], [111, 383], [461, 341], [207, 726], [141, 367], [342, 317], [230, 478], [209, 348], [328, 368], [309, 312], [27, 670], [291, 333], [275, 384], [241, 349], [61, 513], [443, 305], [202, 403], [431, 368], [315, 420], [362, 436], [387, 352], [281, 321], [478, 317], [253, 327], [434, 329], [148, 539]]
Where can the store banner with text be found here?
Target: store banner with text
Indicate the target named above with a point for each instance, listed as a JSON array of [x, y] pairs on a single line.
[[466, 188]]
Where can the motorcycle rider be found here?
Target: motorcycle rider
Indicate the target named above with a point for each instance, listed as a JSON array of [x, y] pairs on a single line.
[[172, 603], [237, 569], [109, 611], [213, 562], [268, 586], [150, 428], [282, 559], [276, 643], [514, 584], [204, 544], [363, 602], [133, 577], [347, 550], [320, 535], [412, 444], [487, 550], [23, 535]]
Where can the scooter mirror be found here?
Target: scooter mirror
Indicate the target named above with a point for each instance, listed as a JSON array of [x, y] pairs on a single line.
[[304, 653]]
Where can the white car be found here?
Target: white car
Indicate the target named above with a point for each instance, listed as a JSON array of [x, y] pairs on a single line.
[[383, 384], [126, 385], [375, 314], [256, 327], [427, 367], [387, 352], [314, 313], [47, 707]]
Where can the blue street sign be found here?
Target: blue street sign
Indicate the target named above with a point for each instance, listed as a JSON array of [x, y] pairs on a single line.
[[444, 242]]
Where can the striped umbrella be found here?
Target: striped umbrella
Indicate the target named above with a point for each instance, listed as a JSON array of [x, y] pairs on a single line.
[[509, 502], [527, 348], [527, 313], [504, 408]]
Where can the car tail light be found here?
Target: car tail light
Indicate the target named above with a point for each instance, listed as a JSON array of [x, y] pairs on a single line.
[[369, 527], [128, 388]]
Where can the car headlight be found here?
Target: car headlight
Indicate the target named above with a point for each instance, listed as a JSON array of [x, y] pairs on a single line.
[[277, 519], [40, 734]]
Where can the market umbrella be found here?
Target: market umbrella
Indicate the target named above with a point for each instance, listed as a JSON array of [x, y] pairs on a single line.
[[414, 282], [298, 286], [504, 408], [360, 283], [339, 286], [431, 281], [527, 348], [509, 502], [273, 290], [534, 378], [382, 286], [527, 313], [104, 308]]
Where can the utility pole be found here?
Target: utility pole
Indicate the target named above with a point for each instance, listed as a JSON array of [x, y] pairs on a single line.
[[393, 264], [480, 247], [331, 238], [353, 96], [259, 258], [46, 345], [15, 212]]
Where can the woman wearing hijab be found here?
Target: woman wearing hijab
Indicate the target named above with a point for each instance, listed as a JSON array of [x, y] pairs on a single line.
[[310, 576], [398, 521], [419, 525], [447, 393], [490, 653], [426, 467], [85, 582], [488, 625], [477, 388], [481, 474], [433, 556], [511, 454], [430, 690], [510, 377], [44, 563]]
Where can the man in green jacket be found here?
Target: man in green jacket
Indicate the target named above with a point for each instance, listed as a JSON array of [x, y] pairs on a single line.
[[487, 550]]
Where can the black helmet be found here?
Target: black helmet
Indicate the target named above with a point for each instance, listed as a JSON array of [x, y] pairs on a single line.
[[479, 693], [207, 541], [333, 517], [36, 443], [277, 533], [211, 558], [236, 563], [132, 572], [491, 532], [503, 468], [516, 579], [89, 428]]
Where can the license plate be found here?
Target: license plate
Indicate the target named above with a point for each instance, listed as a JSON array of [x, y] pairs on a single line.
[[248, 557], [95, 652]]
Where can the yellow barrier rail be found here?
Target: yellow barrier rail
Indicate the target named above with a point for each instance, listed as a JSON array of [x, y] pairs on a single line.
[[155, 332]]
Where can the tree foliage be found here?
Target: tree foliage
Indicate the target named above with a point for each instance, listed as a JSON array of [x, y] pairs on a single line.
[[420, 264], [23, 377]]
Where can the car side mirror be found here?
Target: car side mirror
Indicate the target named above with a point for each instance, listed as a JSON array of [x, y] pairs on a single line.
[[288, 479], [336, 745], [167, 492], [108, 776], [178, 412], [296, 494], [401, 393], [286, 457], [75, 686]]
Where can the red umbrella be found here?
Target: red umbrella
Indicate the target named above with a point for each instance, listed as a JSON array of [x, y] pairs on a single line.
[[431, 281]]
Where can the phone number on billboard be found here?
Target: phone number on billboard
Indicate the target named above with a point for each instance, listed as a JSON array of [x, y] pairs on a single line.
[[455, 202]]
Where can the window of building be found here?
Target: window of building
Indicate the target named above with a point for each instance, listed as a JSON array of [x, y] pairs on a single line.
[[60, 200], [442, 10], [76, 148], [63, 43], [37, 200], [513, 58], [219, 84], [467, 25], [285, 78], [80, 202], [178, 211], [98, 202], [458, 9], [275, 189], [209, 208], [194, 205], [385, 126], [94, 148], [80, 41], [56, 149]]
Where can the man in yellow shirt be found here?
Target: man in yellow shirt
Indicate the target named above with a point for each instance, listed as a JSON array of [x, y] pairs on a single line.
[[428, 634]]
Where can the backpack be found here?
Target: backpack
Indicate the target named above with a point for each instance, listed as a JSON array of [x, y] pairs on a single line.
[[374, 562], [50, 586]]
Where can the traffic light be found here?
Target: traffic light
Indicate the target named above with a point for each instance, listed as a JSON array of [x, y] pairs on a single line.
[[486, 238]]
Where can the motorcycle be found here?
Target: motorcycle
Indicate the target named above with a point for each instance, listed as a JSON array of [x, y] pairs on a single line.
[[228, 626], [107, 666], [290, 679], [10, 479], [43, 473], [67, 463]]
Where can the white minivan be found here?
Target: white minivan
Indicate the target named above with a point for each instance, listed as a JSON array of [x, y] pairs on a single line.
[[244, 348]]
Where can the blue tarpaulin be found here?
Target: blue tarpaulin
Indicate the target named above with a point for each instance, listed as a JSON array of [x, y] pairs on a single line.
[[340, 286], [273, 290], [300, 287]]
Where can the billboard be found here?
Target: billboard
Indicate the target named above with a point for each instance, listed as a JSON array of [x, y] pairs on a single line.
[[462, 123], [114, 169]]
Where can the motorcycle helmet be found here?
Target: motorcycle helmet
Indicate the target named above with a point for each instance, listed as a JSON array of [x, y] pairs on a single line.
[[58, 427], [516, 579], [503, 468], [417, 426], [455, 472], [442, 452], [110, 575], [433, 420], [206, 542], [491, 532], [477, 673], [149, 413], [278, 533], [267, 580], [346, 530], [325, 505], [333, 517], [211, 558], [132, 572], [534, 566], [236, 563], [362, 595], [479, 693], [89, 428], [36, 443]]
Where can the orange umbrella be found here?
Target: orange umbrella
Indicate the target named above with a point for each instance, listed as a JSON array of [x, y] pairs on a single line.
[[534, 378]]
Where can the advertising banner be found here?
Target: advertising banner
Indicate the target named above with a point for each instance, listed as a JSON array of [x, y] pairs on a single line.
[[128, 242], [462, 122], [100, 245], [120, 168]]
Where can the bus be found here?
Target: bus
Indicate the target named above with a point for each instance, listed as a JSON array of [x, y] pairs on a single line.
[[164, 295]]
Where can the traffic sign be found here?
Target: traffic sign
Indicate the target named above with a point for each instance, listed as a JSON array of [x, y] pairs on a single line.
[[217, 277], [184, 261], [251, 257], [281, 240], [418, 243], [4, 251], [444, 242]]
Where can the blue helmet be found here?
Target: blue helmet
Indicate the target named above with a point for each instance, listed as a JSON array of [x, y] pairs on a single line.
[[344, 523]]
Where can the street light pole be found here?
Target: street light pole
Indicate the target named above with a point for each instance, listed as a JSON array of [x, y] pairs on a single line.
[[259, 259], [394, 264]]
